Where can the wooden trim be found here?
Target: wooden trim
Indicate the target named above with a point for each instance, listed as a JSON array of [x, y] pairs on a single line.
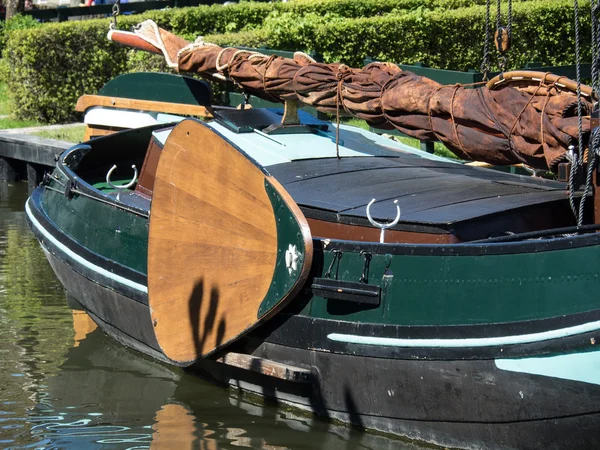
[[92, 131], [535, 78], [342, 231], [88, 101], [266, 367], [129, 39], [306, 238]]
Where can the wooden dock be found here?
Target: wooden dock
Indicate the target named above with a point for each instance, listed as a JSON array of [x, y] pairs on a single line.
[[27, 157]]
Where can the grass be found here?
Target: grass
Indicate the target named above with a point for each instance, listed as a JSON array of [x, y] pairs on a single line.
[[7, 122], [439, 148], [69, 134]]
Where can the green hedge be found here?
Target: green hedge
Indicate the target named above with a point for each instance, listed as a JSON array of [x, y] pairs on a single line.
[[49, 67], [449, 39]]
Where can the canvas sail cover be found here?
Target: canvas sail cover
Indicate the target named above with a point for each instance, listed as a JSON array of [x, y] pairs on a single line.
[[509, 124]]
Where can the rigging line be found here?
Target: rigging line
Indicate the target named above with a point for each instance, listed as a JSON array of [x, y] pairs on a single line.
[[498, 13], [594, 142], [595, 9], [592, 159], [577, 159], [485, 64], [509, 19]]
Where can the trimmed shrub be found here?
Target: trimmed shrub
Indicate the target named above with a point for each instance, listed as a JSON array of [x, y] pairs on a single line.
[[450, 39], [18, 22], [55, 64]]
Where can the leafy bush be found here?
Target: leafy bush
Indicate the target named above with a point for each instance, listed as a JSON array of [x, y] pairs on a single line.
[[51, 66], [18, 22], [449, 39]]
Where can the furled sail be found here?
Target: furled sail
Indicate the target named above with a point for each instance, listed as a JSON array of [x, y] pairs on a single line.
[[506, 123]]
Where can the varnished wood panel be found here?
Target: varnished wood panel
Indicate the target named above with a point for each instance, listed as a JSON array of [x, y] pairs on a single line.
[[213, 243], [332, 230], [92, 131], [88, 101], [145, 183], [129, 39]]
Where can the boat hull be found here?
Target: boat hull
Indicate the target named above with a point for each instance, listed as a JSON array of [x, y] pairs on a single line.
[[546, 395]]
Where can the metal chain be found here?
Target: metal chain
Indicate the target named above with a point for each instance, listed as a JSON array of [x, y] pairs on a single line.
[[485, 64], [116, 10]]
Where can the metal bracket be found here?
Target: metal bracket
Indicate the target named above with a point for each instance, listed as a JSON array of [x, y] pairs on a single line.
[[122, 187], [383, 226]]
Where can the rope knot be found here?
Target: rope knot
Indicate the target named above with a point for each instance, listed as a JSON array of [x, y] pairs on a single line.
[[343, 72]]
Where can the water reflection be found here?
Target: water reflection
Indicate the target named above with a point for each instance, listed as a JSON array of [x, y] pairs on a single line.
[[64, 384]]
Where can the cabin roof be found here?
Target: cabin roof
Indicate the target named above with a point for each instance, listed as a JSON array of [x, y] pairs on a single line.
[[268, 150], [428, 192], [431, 190]]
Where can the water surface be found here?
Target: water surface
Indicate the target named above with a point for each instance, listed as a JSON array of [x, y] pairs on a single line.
[[66, 385]]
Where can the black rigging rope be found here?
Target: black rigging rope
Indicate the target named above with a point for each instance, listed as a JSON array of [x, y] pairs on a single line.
[[485, 64], [576, 152], [595, 49]]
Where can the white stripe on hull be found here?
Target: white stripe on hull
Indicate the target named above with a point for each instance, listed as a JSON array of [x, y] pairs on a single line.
[[84, 262], [466, 343]]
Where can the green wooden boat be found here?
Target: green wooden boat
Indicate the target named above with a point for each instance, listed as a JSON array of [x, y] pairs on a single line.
[[259, 260], [335, 270]]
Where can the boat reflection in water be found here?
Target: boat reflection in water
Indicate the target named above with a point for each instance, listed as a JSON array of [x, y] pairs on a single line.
[[107, 396]]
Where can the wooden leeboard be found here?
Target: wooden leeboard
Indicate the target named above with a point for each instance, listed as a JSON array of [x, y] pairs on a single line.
[[220, 228]]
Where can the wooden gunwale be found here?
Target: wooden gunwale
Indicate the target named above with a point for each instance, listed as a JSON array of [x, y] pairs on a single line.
[[88, 101]]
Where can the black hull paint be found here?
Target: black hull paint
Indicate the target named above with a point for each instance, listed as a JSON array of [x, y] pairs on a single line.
[[474, 404], [455, 400]]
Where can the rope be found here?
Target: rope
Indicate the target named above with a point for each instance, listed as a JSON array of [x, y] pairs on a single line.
[[509, 19], [577, 157], [343, 71], [222, 67], [498, 14], [485, 63], [595, 51], [543, 112], [592, 159], [429, 113], [454, 124], [514, 125]]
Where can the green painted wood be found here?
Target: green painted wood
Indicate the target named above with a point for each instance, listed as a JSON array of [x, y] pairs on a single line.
[[110, 232], [289, 234], [442, 76], [282, 53], [565, 71], [465, 290], [161, 87]]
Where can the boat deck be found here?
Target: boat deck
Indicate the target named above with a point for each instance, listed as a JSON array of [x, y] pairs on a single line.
[[428, 192]]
